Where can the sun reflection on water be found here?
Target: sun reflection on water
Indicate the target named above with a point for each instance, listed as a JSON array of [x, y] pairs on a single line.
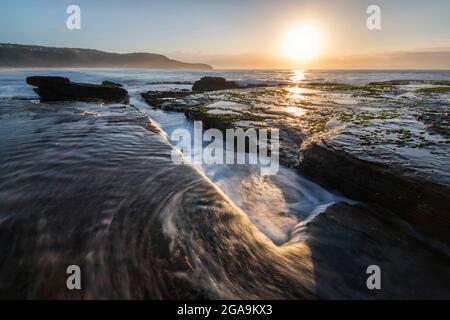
[[298, 91], [297, 75], [296, 111]]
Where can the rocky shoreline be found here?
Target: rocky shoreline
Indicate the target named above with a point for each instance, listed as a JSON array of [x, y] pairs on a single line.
[[142, 227], [319, 138], [422, 203], [341, 147]]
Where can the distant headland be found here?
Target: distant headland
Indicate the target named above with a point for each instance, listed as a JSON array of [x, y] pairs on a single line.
[[31, 56]]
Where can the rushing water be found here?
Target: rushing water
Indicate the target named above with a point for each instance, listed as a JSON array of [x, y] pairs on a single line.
[[275, 204], [94, 185]]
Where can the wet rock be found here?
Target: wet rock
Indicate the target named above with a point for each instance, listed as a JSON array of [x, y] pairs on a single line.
[[346, 239], [423, 203], [437, 120], [375, 155], [62, 89], [213, 84], [221, 121], [111, 83], [47, 82], [167, 100], [434, 90], [409, 81]]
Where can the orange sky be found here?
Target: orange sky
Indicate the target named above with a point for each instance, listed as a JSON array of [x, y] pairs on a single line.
[[437, 58], [414, 34]]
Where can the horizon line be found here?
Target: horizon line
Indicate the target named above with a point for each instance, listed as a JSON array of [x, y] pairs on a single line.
[[168, 55]]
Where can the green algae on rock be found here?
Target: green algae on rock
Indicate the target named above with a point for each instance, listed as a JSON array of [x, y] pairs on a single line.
[[381, 128], [434, 90]]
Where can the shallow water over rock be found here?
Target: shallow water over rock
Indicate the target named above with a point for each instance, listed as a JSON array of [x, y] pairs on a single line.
[[94, 185]]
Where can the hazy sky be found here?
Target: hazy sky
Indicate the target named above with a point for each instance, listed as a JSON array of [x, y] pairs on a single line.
[[239, 33]]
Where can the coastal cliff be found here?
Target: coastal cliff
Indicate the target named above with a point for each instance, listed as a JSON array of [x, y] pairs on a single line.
[[26, 56]]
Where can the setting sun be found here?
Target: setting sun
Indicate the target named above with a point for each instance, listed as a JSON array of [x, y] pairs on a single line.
[[301, 43]]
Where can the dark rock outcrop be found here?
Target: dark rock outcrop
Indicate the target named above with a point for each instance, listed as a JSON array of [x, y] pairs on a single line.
[[113, 84], [213, 84], [48, 82], [422, 203], [345, 239], [62, 89], [411, 81], [157, 98], [167, 100]]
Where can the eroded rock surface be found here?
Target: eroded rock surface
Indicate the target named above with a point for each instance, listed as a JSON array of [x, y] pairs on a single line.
[[384, 142], [213, 84], [141, 227]]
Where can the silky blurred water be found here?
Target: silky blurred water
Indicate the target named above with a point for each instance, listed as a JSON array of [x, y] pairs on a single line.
[[94, 185], [275, 204]]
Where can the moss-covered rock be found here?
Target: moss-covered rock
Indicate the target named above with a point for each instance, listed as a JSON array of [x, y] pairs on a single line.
[[213, 84], [432, 90], [157, 98], [219, 121]]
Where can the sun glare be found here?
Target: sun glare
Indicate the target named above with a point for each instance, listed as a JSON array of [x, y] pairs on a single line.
[[301, 43]]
